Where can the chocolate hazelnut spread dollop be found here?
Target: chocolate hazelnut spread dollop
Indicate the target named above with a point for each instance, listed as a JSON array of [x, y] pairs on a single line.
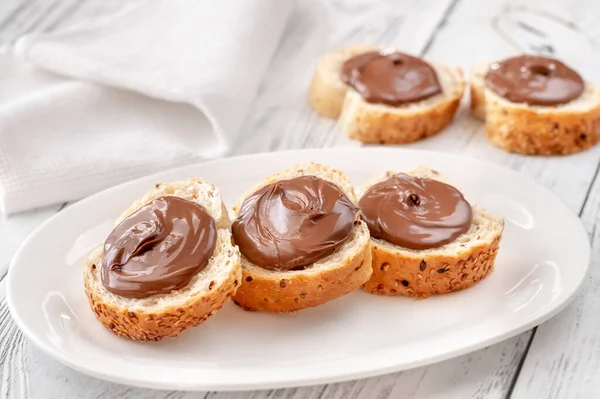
[[414, 212], [534, 80], [390, 78], [293, 223], [158, 248]]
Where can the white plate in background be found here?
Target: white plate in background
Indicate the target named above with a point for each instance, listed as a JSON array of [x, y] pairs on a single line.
[[543, 259]]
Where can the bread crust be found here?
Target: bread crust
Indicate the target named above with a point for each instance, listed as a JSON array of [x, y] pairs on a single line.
[[327, 92], [536, 130], [324, 98], [290, 291], [281, 293], [453, 267], [143, 325], [370, 123], [382, 125], [167, 315], [526, 131], [421, 277], [477, 91], [477, 103]]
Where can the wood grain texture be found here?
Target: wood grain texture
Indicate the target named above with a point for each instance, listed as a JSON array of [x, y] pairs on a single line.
[[29, 17], [564, 358], [18, 17], [12, 384], [10, 10], [568, 177], [281, 119], [476, 27]]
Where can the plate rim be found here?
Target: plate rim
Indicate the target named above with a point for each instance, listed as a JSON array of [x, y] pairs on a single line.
[[57, 355]]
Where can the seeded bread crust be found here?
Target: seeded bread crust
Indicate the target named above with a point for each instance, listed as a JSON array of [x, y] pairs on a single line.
[[452, 267], [378, 123], [347, 269], [167, 315], [477, 90], [143, 325], [537, 130], [295, 290], [422, 276]]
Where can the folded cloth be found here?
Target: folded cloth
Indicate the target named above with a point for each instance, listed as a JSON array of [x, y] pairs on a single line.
[[163, 83]]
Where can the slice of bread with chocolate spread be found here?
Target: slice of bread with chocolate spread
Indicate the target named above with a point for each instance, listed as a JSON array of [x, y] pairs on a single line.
[[301, 240], [168, 265], [425, 237], [383, 96], [535, 105]]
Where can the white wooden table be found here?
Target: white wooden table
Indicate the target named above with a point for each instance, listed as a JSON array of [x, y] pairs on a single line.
[[559, 359]]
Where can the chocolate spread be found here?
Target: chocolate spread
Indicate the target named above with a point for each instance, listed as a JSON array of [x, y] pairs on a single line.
[[534, 80], [158, 249], [390, 78], [291, 224], [414, 212]]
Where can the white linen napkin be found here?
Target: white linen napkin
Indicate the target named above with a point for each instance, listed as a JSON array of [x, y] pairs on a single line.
[[163, 83]]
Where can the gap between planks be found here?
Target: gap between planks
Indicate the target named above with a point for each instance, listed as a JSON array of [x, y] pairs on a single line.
[[20, 346], [535, 329], [589, 187]]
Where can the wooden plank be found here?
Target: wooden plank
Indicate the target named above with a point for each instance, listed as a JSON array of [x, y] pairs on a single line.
[[18, 17], [25, 372], [25, 16], [479, 32], [9, 11], [84, 10], [58, 15], [564, 358], [469, 376], [281, 118], [360, 20], [477, 27], [27, 19], [492, 371]]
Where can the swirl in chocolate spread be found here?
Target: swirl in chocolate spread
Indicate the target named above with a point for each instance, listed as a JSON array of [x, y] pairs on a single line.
[[390, 78], [415, 212], [158, 248], [534, 80], [291, 224]]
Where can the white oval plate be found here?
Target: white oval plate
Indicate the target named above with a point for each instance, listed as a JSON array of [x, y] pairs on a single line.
[[359, 335]]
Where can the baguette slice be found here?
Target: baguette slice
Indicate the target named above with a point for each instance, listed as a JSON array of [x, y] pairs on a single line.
[[532, 129], [379, 123], [451, 267], [345, 270], [167, 315], [477, 89], [327, 92]]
